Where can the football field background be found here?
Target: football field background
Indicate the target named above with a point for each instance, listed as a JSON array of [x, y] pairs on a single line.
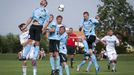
[[9, 65]]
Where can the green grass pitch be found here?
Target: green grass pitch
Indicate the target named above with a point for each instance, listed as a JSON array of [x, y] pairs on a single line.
[[9, 65]]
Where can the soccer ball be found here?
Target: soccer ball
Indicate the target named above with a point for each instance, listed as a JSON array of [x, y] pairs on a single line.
[[61, 8]]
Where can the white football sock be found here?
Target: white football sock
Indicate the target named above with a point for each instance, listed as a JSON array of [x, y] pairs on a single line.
[[34, 70], [24, 70]]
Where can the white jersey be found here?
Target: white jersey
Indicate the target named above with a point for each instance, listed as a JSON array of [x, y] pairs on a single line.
[[24, 37], [111, 42]]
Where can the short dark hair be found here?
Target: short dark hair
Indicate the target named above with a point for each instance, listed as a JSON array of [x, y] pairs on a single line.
[[71, 28], [86, 13], [110, 29], [59, 16], [21, 25], [63, 27], [46, 3], [51, 15]]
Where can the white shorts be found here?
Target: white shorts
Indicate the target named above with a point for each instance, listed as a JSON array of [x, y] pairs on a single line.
[[112, 55], [30, 53]]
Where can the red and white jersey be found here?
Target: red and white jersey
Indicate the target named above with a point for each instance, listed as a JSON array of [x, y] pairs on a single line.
[[24, 37], [111, 42]]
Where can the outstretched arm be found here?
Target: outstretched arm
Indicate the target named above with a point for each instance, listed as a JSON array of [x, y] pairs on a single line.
[[28, 21], [80, 29]]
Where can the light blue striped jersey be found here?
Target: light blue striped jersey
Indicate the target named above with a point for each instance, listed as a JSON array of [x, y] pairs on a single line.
[[41, 15], [89, 26], [53, 35]]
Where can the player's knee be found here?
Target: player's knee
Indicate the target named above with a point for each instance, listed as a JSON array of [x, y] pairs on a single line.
[[91, 52], [24, 63], [30, 41], [37, 43], [50, 54], [64, 63], [115, 61], [56, 54], [34, 63], [72, 56]]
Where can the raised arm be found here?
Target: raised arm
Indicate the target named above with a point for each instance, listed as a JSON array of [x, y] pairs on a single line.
[[81, 25], [103, 40], [28, 22]]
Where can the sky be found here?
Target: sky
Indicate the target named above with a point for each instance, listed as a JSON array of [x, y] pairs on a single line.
[[15, 12]]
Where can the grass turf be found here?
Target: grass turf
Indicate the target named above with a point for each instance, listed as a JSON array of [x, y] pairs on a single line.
[[9, 65]]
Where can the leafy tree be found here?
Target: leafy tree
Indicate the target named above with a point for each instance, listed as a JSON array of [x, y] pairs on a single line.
[[9, 44], [117, 14], [44, 43]]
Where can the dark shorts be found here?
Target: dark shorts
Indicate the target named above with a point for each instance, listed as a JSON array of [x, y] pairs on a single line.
[[54, 45], [90, 40], [63, 57], [71, 50], [86, 56], [35, 32]]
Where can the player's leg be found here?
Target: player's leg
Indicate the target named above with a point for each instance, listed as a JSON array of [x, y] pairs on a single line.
[[29, 43], [34, 64], [90, 41], [51, 54], [114, 61], [20, 55], [24, 67], [26, 49], [66, 68], [89, 65], [80, 65], [109, 55], [51, 60], [37, 38], [64, 63], [35, 56], [108, 65], [86, 57], [71, 60], [71, 52], [56, 53], [60, 70], [94, 60], [72, 56]]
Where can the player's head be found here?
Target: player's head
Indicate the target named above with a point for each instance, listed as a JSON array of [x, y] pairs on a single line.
[[62, 29], [22, 27], [59, 19], [97, 17], [42, 49], [70, 30], [110, 32], [43, 3], [86, 15], [51, 17]]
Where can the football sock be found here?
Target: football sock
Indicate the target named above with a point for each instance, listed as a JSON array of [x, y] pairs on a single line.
[[52, 62], [36, 52], [67, 69], [82, 63], [57, 62], [24, 70], [89, 65]]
